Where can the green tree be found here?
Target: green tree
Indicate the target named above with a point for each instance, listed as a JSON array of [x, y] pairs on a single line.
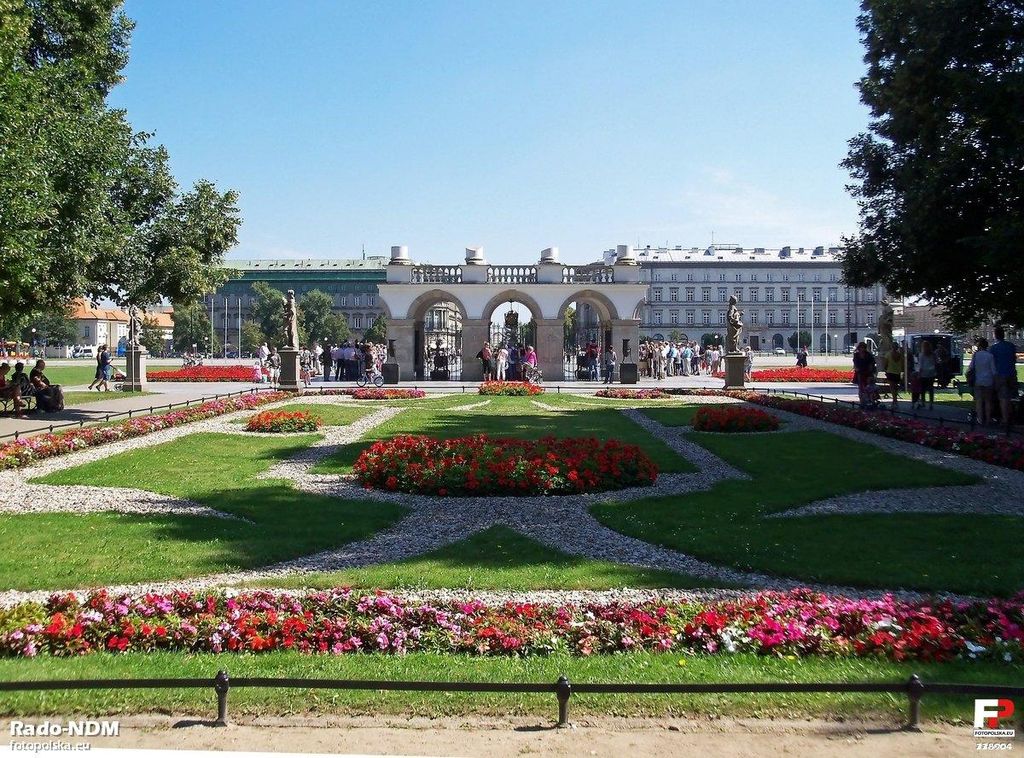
[[315, 308], [569, 328], [805, 340], [336, 329], [192, 327], [267, 312], [53, 328], [152, 336], [378, 331], [938, 176], [252, 337]]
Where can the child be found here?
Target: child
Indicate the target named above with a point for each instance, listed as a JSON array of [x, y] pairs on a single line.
[[871, 396]]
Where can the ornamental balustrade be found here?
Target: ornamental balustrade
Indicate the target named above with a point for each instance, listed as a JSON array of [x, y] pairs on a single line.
[[588, 275], [512, 274], [437, 275]]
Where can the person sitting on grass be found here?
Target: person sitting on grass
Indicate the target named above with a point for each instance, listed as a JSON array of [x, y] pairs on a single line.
[[11, 390], [49, 397]]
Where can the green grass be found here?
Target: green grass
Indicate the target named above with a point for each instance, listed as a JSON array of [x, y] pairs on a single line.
[[84, 397], [43, 551], [514, 416], [332, 415], [75, 375], [638, 667], [728, 525], [680, 416], [495, 559]]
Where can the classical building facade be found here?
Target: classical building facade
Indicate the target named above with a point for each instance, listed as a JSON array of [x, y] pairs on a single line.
[[781, 291]]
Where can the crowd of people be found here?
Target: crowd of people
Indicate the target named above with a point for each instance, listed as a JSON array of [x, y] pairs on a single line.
[[342, 362], [20, 386], [664, 359], [508, 363]]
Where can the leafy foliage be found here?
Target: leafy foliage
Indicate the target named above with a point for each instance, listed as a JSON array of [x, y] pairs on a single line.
[[192, 327], [266, 312], [152, 337], [315, 310], [939, 175], [378, 331]]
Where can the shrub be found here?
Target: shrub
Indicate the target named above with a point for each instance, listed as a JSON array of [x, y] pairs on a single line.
[[284, 421], [733, 418], [482, 465], [510, 389], [632, 394]]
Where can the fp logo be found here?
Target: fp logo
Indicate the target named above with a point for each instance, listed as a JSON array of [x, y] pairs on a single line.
[[988, 714]]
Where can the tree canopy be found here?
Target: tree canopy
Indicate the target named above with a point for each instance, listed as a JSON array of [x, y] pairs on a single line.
[[939, 176], [88, 207]]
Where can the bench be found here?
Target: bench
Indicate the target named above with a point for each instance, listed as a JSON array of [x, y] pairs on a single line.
[[7, 403]]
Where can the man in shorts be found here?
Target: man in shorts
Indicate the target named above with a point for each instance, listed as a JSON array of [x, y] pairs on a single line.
[[1005, 385]]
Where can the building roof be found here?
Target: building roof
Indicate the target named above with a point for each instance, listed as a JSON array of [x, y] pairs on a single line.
[[163, 319], [84, 311], [733, 254], [372, 262]]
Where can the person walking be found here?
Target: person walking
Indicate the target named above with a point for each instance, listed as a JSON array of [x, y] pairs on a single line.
[[609, 364], [1005, 385], [864, 373], [981, 375], [748, 363], [894, 371], [485, 355], [98, 377], [927, 370], [105, 370]]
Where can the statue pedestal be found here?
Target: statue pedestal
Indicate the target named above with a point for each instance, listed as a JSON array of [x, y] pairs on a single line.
[[135, 368], [291, 378], [734, 371], [628, 373], [390, 373]]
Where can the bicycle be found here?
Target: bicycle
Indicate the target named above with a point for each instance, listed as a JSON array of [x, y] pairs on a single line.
[[371, 375]]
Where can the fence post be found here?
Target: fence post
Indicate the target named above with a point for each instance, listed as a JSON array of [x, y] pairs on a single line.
[[221, 685], [915, 689], [563, 689]]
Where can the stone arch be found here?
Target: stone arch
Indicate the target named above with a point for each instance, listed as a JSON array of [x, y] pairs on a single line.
[[605, 306], [419, 306], [513, 294]]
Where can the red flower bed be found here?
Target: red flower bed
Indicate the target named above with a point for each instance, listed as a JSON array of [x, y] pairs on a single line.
[[204, 374], [794, 374], [733, 418], [483, 465], [632, 394], [510, 389], [799, 623], [27, 450], [370, 393], [284, 421]]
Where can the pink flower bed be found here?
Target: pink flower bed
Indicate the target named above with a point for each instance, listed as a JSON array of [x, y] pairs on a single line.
[[340, 621], [633, 394], [27, 450], [205, 374]]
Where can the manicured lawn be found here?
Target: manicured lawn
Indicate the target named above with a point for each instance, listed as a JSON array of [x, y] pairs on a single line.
[[512, 417], [495, 559], [680, 416], [728, 525], [638, 667], [61, 550], [84, 397], [75, 375], [332, 415]]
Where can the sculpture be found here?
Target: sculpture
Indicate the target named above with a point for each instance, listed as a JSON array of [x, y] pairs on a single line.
[[134, 327], [291, 323], [735, 327], [886, 320]]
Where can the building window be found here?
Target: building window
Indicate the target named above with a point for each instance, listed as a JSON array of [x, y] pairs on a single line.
[[86, 331], [832, 277], [769, 294], [833, 294], [343, 301], [657, 318], [753, 318], [721, 277], [721, 318], [831, 318], [785, 277], [673, 294], [801, 295], [785, 294], [705, 295], [707, 276], [785, 318], [770, 318], [355, 301], [357, 321], [689, 318], [817, 319], [871, 318], [689, 277], [817, 277], [754, 292], [768, 276], [721, 294], [673, 317], [739, 277], [816, 294], [705, 318], [657, 294], [674, 277], [369, 301], [689, 294], [753, 277]]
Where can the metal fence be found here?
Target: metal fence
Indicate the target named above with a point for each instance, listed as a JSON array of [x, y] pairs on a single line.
[[105, 417], [913, 688]]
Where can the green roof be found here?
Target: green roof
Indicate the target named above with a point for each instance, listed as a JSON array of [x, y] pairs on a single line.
[[299, 265]]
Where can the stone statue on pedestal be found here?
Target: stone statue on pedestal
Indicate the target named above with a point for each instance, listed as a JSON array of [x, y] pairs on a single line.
[[134, 327], [734, 317], [291, 321], [886, 320]]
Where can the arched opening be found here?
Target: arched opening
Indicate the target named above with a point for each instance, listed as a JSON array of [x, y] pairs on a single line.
[[587, 332], [778, 342], [512, 329], [437, 336]]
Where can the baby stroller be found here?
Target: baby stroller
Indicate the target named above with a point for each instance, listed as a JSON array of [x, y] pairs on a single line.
[[870, 396], [532, 374]]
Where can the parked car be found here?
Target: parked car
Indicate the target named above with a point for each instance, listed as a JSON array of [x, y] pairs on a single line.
[[84, 352], [780, 351]]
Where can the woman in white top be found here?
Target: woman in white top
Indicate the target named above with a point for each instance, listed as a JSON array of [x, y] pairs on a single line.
[[984, 367], [502, 363]]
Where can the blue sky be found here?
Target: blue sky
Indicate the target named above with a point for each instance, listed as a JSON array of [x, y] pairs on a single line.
[[514, 125]]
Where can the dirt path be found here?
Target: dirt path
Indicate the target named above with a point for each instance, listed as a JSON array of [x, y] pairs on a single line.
[[497, 738]]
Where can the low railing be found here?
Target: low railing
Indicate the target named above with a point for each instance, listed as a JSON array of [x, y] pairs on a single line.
[[970, 421], [588, 275], [512, 274], [105, 417], [436, 275], [563, 689]]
